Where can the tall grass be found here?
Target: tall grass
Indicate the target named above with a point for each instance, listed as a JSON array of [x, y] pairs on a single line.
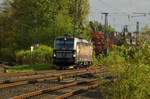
[[30, 68], [131, 68]]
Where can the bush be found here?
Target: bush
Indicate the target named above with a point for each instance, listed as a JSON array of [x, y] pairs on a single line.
[[7, 54], [131, 66], [132, 83], [41, 54]]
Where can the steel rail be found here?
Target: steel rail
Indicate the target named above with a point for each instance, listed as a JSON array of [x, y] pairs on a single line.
[[23, 73], [76, 92], [29, 73], [31, 77], [50, 77], [38, 72], [44, 75], [39, 92]]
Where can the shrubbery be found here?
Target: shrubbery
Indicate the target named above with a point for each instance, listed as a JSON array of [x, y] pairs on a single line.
[[131, 68], [41, 54], [7, 55], [30, 68]]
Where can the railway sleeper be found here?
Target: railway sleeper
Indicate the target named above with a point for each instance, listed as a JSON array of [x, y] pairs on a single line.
[[39, 92], [76, 92], [10, 83], [60, 78], [33, 81], [88, 75], [7, 81]]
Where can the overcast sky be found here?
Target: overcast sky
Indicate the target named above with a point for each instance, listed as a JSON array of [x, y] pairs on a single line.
[[124, 9]]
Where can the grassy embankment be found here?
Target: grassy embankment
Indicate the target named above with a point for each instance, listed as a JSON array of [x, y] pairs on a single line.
[[131, 68], [39, 59], [30, 68]]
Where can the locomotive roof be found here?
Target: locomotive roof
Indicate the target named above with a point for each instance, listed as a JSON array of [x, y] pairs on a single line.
[[65, 37], [75, 38]]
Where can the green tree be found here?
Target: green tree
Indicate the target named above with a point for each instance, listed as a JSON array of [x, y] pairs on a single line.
[[7, 36], [78, 10], [97, 26], [32, 20], [27, 22], [40, 21]]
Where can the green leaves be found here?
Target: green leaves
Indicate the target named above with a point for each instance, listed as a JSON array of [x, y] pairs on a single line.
[[41, 54], [27, 22], [96, 26], [131, 67]]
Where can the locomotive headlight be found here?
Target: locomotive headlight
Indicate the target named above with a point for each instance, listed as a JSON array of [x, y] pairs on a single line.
[[54, 55], [74, 55]]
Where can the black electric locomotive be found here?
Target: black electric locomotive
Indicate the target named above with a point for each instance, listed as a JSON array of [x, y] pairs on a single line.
[[72, 51]]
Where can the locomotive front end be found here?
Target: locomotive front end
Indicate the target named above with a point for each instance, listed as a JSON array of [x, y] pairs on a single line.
[[64, 53]]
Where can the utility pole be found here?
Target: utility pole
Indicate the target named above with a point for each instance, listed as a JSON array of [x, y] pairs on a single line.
[[137, 27], [106, 34], [125, 30], [124, 35], [137, 31]]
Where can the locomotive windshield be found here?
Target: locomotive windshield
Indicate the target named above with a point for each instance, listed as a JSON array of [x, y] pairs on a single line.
[[64, 43]]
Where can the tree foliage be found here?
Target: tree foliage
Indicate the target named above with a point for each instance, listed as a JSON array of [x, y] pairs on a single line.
[[97, 26], [79, 10], [27, 22]]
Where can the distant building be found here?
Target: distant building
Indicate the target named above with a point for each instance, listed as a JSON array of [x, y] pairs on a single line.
[[131, 38]]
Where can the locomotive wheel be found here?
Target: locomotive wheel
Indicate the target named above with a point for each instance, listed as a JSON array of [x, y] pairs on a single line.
[[77, 67], [60, 68]]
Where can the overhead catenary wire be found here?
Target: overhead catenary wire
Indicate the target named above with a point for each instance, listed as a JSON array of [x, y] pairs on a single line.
[[114, 8], [129, 18], [119, 12]]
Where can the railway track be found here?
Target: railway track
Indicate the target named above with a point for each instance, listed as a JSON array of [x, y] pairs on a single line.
[[39, 72], [36, 72], [23, 73], [31, 75], [37, 82], [41, 78], [90, 84], [76, 92]]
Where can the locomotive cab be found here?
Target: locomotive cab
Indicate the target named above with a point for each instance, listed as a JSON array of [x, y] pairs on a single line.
[[64, 53]]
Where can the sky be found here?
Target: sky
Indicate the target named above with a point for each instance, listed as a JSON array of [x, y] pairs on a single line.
[[121, 12]]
